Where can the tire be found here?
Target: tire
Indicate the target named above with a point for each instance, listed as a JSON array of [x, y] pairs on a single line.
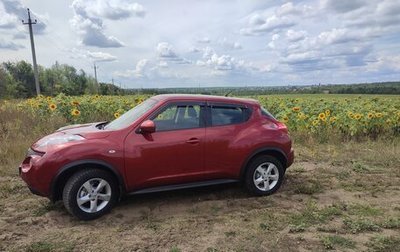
[[264, 175], [83, 197]]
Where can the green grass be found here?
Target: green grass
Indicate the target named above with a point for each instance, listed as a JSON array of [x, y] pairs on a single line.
[[174, 249], [312, 215], [336, 241], [44, 246], [360, 225], [384, 244]]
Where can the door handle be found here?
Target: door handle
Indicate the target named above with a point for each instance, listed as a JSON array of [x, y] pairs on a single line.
[[192, 141]]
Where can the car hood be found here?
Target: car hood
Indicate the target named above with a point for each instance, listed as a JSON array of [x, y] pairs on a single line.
[[88, 130]]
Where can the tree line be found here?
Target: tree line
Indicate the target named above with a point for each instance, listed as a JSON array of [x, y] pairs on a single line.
[[17, 81]]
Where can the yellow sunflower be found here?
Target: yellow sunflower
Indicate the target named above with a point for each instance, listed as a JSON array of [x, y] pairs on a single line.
[[378, 115], [350, 114], [327, 112], [322, 116], [116, 115], [315, 122], [357, 116], [296, 109], [75, 103], [52, 106], [75, 112], [332, 119], [370, 115]]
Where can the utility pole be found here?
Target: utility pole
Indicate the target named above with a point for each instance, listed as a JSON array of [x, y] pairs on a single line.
[[95, 76], [35, 70]]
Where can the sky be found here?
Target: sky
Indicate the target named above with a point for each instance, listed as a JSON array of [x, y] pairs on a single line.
[[202, 43]]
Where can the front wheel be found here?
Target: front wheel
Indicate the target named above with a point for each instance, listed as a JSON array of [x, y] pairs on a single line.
[[264, 175], [89, 194]]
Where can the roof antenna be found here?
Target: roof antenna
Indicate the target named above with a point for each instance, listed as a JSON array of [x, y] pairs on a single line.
[[227, 94]]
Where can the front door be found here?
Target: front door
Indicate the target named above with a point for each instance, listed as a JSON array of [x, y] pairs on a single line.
[[173, 154]]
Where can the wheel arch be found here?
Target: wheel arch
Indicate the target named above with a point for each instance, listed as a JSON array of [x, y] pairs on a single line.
[[275, 152], [59, 181]]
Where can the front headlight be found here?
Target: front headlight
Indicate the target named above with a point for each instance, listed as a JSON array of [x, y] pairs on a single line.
[[61, 140]]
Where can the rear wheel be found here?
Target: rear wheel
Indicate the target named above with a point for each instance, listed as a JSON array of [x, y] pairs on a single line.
[[89, 194], [264, 175]]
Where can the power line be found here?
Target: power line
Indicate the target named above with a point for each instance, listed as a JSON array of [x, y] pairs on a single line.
[[35, 69]]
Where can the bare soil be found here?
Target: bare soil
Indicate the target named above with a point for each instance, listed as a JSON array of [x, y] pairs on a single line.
[[322, 198]]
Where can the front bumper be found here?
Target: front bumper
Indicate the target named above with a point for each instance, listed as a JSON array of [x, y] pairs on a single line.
[[29, 172]]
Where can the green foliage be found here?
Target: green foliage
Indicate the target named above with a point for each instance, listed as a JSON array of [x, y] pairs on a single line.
[[17, 81]]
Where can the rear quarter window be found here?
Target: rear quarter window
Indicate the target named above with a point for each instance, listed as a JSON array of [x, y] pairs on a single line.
[[226, 115], [266, 113]]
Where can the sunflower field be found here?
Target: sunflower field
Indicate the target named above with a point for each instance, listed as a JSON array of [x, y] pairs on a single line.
[[343, 115], [317, 115]]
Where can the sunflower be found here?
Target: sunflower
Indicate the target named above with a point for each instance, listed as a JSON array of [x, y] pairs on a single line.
[[350, 114], [75, 112], [332, 119], [301, 116], [116, 115], [370, 115], [315, 123], [49, 98], [296, 109], [285, 119], [52, 106], [327, 112], [378, 115], [75, 103], [357, 116], [322, 116]]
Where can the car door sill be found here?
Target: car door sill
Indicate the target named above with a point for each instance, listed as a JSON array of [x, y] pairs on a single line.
[[184, 186]]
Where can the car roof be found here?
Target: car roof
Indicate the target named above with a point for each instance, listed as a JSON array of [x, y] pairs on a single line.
[[209, 98]]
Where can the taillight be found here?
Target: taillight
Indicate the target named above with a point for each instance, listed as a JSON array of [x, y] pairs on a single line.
[[282, 127]]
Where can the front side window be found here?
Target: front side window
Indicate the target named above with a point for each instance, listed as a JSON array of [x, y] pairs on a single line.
[[225, 115], [178, 116]]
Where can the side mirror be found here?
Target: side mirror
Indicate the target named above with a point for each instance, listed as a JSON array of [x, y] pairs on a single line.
[[147, 126]]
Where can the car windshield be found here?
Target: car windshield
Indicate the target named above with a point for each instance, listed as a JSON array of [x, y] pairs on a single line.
[[131, 116]]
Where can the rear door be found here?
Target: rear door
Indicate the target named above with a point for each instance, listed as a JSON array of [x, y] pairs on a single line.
[[225, 145], [174, 154]]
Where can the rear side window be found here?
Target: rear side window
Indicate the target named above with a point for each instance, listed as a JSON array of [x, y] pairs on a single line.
[[226, 115]]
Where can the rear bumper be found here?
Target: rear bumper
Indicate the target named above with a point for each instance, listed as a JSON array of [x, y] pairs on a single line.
[[290, 158]]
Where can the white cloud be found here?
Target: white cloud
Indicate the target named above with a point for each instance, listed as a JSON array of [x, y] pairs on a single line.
[[141, 67], [165, 50], [204, 40], [230, 45], [91, 56], [10, 45], [271, 23], [101, 56], [294, 36], [87, 19]]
